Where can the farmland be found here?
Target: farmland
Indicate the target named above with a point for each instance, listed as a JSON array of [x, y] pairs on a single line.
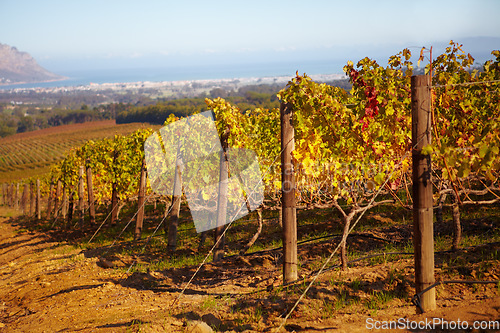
[[353, 185], [31, 154]]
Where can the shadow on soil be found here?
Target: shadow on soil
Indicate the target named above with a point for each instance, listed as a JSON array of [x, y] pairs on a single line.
[[253, 281]]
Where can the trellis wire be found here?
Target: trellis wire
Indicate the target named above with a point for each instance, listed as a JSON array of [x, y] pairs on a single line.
[[340, 243], [464, 84], [224, 232], [166, 215]]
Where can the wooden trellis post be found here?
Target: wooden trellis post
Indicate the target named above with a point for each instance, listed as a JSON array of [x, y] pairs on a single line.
[[222, 200], [32, 198], [423, 233], [64, 204], [16, 197], [38, 201], [81, 193], [57, 203], [24, 199], [50, 201], [90, 191], [4, 194], [114, 195], [289, 216], [140, 202], [71, 203], [173, 222], [12, 193]]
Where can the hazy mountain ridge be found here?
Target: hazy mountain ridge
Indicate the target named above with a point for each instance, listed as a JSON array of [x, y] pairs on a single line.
[[20, 67]]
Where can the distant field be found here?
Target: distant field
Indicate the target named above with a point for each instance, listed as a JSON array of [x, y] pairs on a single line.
[[32, 153]]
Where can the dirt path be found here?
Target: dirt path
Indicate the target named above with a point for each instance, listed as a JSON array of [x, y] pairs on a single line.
[[46, 286], [49, 287]]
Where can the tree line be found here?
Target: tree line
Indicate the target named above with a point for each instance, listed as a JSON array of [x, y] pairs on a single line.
[[21, 120], [29, 116]]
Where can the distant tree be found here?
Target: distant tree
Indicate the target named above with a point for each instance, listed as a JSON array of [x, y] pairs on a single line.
[[6, 130], [218, 92], [8, 126], [40, 122], [18, 113], [55, 120], [25, 124]]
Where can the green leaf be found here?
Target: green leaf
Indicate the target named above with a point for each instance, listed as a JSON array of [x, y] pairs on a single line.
[[427, 150], [483, 150], [464, 170], [379, 178]]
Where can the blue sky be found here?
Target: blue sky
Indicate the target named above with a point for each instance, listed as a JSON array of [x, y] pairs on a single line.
[[94, 34]]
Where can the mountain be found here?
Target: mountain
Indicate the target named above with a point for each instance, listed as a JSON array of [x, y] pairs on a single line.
[[19, 67]]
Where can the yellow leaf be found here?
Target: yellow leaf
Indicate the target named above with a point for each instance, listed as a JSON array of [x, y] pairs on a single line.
[[205, 195], [307, 161], [297, 154]]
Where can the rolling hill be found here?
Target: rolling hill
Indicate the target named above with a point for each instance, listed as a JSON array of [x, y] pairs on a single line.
[[31, 154], [20, 67]]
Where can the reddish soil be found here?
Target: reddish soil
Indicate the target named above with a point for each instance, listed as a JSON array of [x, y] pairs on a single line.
[[51, 286]]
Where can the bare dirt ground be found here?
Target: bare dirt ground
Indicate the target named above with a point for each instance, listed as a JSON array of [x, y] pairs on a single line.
[[52, 286]]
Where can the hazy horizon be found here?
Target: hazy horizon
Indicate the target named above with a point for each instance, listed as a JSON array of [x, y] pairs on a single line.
[[69, 36], [159, 69], [480, 48]]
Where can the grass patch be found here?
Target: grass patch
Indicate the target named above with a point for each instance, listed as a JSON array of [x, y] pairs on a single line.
[[210, 304], [379, 300]]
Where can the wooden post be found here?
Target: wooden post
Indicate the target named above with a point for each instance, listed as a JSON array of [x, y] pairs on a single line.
[[50, 201], [16, 197], [38, 201], [423, 234], [7, 194], [4, 194], [173, 222], [64, 204], [7, 197], [81, 193], [11, 200], [56, 199], [90, 191], [289, 216], [114, 195], [222, 199], [140, 202], [24, 199], [457, 227], [71, 205], [114, 203], [203, 238], [32, 199]]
